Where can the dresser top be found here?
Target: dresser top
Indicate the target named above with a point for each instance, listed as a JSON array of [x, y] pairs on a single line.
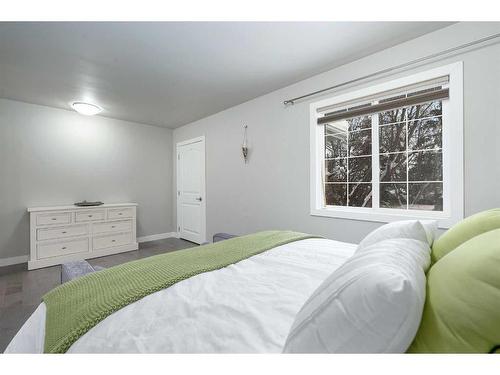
[[73, 207]]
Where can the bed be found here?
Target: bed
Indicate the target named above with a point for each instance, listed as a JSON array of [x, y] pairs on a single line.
[[246, 307], [397, 291]]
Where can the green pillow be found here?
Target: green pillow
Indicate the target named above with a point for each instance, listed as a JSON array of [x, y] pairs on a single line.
[[462, 307], [464, 231]]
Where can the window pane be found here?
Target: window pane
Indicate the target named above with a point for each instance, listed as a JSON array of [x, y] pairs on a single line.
[[425, 134], [359, 123], [410, 178], [425, 166], [389, 117], [393, 167], [393, 195], [425, 110], [360, 143], [336, 145], [428, 196], [360, 169], [336, 170], [360, 195], [392, 138], [336, 194], [336, 127]]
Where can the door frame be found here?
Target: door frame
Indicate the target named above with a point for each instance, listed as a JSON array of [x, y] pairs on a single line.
[[203, 186]]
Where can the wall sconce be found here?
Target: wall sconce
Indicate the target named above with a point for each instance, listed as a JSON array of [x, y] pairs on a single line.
[[244, 145]]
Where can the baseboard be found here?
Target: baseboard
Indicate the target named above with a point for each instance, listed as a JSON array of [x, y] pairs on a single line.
[[159, 236], [13, 260]]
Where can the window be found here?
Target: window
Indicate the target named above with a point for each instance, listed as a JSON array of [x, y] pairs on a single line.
[[391, 151]]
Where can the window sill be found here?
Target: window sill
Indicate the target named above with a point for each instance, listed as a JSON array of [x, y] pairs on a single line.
[[384, 215]]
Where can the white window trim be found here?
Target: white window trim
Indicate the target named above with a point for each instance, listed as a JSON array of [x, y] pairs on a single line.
[[453, 200]]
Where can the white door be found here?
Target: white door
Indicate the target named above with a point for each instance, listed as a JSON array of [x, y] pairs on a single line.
[[191, 204]]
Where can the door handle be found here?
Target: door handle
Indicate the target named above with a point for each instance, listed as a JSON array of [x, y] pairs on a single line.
[[198, 199]]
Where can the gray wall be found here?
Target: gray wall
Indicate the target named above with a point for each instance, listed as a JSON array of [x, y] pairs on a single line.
[[272, 191], [51, 157]]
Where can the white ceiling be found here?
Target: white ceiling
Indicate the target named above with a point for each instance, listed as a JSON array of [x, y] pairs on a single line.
[[173, 73]]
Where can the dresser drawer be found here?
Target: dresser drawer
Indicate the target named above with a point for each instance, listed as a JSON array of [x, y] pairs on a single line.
[[53, 218], [61, 232], [114, 226], [62, 248], [89, 215], [112, 241], [120, 213]]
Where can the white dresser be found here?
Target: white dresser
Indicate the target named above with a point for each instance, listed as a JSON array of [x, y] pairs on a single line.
[[65, 233]]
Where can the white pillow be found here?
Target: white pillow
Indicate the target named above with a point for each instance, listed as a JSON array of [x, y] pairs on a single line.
[[371, 304], [412, 229], [430, 227]]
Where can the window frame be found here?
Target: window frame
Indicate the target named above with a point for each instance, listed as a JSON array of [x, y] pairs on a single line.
[[452, 153]]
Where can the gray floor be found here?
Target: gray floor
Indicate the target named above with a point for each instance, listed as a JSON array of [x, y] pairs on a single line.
[[21, 290]]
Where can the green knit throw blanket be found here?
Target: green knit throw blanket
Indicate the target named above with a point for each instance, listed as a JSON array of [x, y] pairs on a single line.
[[75, 307]]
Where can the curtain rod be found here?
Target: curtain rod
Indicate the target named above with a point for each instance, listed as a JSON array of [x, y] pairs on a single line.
[[428, 57]]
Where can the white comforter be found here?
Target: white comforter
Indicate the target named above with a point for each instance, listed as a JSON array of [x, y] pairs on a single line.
[[247, 307]]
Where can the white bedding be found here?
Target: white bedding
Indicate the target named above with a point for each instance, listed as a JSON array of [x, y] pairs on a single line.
[[247, 307]]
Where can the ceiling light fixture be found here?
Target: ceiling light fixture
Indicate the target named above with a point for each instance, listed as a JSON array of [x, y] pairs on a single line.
[[86, 109]]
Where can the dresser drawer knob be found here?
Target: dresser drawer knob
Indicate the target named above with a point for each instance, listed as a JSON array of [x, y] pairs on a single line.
[[113, 226], [63, 248], [54, 218], [64, 232], [90, 215], [113, 240], [120, 213]]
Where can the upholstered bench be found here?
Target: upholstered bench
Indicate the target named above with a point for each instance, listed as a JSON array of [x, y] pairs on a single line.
[[76, 269], [222, 236], [219, 237]]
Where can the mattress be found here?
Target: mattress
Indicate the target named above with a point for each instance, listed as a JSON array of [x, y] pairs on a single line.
[[247, 307]]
